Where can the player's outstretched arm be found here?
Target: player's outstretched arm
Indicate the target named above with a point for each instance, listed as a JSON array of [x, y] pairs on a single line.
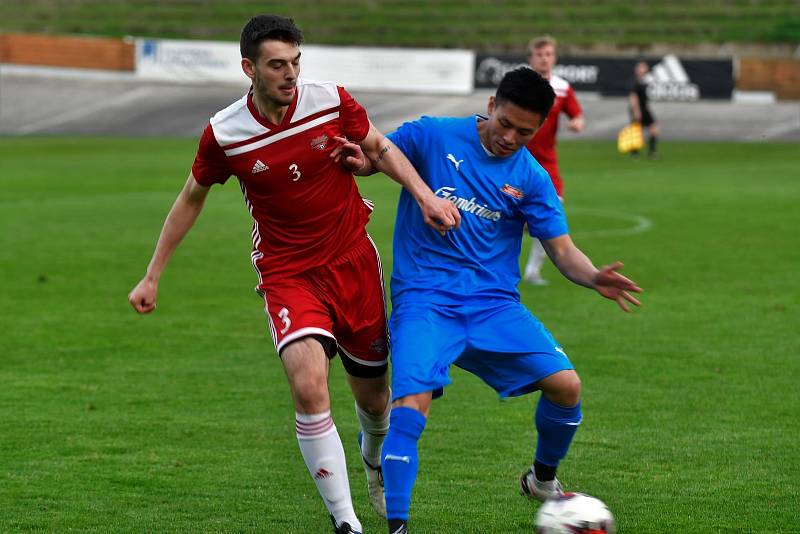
[[612, 285], [384, 156], [578, 268], [577, 124], [180, 219]]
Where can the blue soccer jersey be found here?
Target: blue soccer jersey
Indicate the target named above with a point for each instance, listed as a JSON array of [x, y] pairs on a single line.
[[495, 196]]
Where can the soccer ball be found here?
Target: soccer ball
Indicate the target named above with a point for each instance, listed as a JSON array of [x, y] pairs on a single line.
[[574, 513]]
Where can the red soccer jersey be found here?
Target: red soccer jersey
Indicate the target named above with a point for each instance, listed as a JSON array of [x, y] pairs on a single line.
[[543, 144], [306, 207]]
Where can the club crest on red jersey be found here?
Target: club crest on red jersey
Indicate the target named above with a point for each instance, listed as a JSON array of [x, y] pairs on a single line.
[[512, 191], [320, 142]]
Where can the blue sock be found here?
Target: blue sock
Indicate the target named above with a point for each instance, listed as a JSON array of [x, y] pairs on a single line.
[[399, 460], [556, 426]]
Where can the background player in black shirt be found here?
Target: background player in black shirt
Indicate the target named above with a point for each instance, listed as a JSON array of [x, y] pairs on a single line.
[[639, 110]]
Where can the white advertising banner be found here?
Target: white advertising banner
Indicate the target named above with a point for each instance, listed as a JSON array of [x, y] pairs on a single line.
[[399, 70], [189, 61], [402, 70]]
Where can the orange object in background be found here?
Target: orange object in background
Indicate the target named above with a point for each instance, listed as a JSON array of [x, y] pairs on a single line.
[[67, 51]]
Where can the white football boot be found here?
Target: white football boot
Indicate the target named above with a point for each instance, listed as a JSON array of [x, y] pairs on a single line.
[[374, 484], [532, 488]]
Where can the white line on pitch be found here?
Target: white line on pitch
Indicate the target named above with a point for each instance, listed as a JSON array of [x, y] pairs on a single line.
[[612, 122], [776, 130], [641, 223]]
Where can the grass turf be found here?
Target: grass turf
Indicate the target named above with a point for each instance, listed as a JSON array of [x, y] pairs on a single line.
[[181, 421]]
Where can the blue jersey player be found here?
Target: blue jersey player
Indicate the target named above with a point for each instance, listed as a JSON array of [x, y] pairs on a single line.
[[455, 297]]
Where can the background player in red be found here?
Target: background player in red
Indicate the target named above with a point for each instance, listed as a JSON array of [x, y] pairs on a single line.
[[542, 59], [319, 272]]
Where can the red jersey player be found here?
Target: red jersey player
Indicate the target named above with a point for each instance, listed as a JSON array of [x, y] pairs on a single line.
[[319, 272], [542, 58]]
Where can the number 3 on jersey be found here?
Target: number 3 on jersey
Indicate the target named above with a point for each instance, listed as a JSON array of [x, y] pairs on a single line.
[[295, 170], [283, 315]]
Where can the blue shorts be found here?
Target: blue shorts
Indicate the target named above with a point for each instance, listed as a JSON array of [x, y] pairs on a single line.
[[503, 344]]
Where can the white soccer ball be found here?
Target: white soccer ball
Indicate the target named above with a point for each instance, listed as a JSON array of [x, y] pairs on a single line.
[[574, 513]]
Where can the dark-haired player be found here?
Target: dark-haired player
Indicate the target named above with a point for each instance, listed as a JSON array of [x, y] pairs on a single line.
[[319, 272], [460, 290]]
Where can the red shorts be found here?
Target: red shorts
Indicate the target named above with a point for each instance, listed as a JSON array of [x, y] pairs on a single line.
[[343, 302]]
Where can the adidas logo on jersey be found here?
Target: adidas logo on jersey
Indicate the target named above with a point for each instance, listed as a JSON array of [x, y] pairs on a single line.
[[668, 81], [259, 166]]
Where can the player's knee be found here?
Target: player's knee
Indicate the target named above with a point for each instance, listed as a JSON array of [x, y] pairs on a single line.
[[372, 394], [420, 402], [572, 392], [564, 389], [376, 403], [310, 391]]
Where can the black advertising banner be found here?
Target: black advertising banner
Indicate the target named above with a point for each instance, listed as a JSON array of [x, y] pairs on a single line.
[[670, 77]]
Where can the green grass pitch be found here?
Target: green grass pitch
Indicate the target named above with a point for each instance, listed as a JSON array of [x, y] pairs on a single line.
[[181, 421]]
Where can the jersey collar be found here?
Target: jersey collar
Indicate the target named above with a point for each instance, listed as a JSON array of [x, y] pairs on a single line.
[[287, 118]]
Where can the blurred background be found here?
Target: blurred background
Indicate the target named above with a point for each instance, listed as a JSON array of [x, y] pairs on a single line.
[[122, 66]]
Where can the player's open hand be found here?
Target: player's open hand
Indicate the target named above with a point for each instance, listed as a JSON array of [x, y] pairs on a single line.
[[440, 214], [612, 285], [143, 296], [349, 153]]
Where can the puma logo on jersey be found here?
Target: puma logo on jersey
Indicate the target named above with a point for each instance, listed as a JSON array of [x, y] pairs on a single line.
[[259, 166], [456, 162]]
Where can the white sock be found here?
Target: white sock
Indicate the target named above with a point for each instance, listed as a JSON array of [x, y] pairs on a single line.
[[374, 430], [324, 456], [535, 259]]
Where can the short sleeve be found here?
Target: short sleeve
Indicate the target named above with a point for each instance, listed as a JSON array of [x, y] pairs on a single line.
[[541, 206], [352, 116], [407, 138], [571, 106], [210, 164]]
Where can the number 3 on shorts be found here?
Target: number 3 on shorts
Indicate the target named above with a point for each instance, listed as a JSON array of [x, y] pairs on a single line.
[[283, 315], [295, 170]]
